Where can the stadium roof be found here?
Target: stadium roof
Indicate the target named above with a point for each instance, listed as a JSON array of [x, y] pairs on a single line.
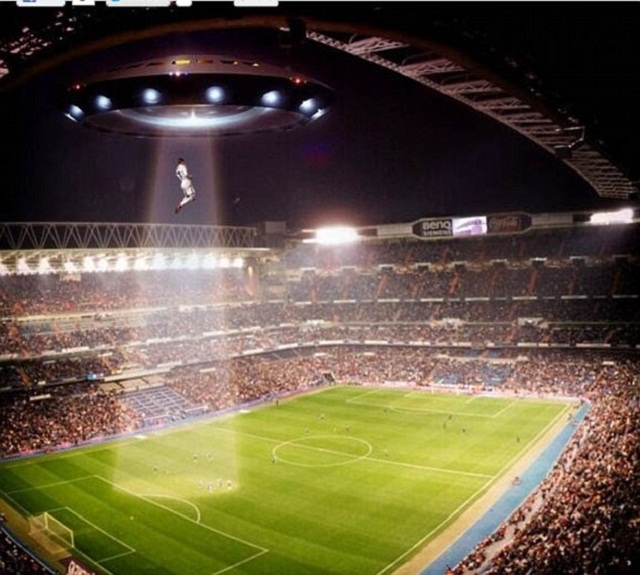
[[445, 52]]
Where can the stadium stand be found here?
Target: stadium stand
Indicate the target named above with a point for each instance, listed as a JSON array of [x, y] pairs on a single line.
[[548, 312]]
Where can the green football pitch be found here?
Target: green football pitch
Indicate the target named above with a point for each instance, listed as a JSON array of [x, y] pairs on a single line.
[[348, 480]]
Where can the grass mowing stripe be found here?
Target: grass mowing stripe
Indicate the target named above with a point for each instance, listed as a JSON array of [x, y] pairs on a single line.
[[49, 485]]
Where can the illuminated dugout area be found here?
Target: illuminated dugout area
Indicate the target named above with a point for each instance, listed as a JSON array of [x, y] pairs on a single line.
[[197, 96]]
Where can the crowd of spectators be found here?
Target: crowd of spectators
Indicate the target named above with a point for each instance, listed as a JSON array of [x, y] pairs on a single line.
[[63, 416], [462, 280], [345, 297], [585, 515], [234, 382], [158, 339], [15, 559], [410, 313], [28, 295]]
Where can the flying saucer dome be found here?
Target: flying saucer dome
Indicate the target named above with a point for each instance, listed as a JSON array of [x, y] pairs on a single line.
[[190, 96]]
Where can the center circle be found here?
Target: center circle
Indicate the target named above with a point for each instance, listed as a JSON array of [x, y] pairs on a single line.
[[322, 450]]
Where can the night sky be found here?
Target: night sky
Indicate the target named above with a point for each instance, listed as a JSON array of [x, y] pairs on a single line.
[[389, 151]]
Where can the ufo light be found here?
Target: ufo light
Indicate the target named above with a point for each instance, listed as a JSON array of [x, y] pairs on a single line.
[[151, 96], [271, 98], [103, 103], [74, 112], [309, 106], [215, 95]]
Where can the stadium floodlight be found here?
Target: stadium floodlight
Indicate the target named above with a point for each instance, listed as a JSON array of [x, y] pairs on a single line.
[[141, 264], [22, 267], [335, 235], [193, 262], [176, 263], [122, 263], [44, 267], [4, 270], [88, 265], [69, 267], [102, 264], [238, 263], [623, 216], [209, 262], [159, 262]]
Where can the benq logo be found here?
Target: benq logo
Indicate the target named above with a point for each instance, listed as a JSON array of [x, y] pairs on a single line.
[[435, 228]]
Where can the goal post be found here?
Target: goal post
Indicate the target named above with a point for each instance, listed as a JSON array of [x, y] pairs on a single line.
[[51, 533]]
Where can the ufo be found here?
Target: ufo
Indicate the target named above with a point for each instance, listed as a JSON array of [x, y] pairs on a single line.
[[192, 96]]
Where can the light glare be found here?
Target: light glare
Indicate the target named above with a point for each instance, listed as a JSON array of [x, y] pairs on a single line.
[[624, 216], [336, 235]]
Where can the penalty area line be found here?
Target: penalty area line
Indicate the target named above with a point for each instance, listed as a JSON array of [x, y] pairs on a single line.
[[179, 499], [251, 558], [185, 517]]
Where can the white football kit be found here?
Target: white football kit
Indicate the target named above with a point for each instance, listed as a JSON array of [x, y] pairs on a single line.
[[186, 185]]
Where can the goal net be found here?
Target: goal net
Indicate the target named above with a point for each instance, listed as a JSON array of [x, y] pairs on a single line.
[[51, 533]]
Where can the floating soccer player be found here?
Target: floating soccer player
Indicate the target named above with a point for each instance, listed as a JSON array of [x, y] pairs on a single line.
[[186, 184]]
